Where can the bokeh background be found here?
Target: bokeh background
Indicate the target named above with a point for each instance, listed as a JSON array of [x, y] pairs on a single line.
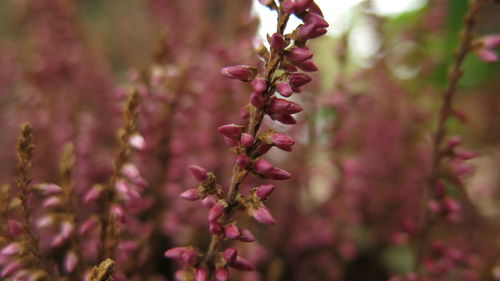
[[363, 141]]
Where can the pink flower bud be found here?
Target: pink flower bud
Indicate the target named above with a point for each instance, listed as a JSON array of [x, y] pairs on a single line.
[[11, 268], [277, 42], [217, 211], [486, 52], [285, 89], [11, 249], [191, 194], [241, 72], [175, 253], [222, 274], [70, 262], [434, 206], [298, 54], [93, 194], [243, 161], [201, 274], [263, 191], [315, 9], [279, 174], [282, 106], [130, 171], [263, 215], [289, 67], [231, 231], [89, 225], [316, 20], [230, 255], [52, 202], [246, 236], [259, 85], [262, 167], [137, 142], [285, 119], [308, 66], [465, 154], [242, 264], [14, 227], [215, 228], [231, 131], [49, 188], [282, 141], [289, 6], [257, 99], [298, 79], [247, 140], [208, 202], [198, 172], [451, 205]]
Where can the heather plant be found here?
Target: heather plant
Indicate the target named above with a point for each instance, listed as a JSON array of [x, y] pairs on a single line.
[[135, 166]]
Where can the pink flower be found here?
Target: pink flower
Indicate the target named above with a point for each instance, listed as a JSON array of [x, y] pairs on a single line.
[[14, 227], [263, 215], [486, 50], [279, 174], [191, 194], [221, 274], [246, 236], [285, 89], [70, 262], [243, 161], [201, 274], [262, 167], [263, 191], [282, 141], [231, 131], [277, 42], [247, 140], [93, 194], [289, 6], [257, 99], [298, 54], [198, 172], [241, 72], [282, 106], [231, 231], [230, 255], [259, 85], [298, 79], [216, 211], [242, 264]]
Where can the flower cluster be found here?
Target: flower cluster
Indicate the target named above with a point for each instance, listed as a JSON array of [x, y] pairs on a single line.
[[287, 54]]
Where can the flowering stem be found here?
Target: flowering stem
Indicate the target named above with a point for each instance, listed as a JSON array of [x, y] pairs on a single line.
[[110, 231], [425, 223], [256, 117]]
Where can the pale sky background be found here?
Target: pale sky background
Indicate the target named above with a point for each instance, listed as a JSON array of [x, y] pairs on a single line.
[[339, 13]]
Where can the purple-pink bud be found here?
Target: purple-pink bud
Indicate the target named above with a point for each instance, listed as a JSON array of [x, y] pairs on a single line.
[[279, 174], [285, 89], [298, 54], [137, 142], [241, 72], [289, 6], [198, 172], [52, 202], [259, 85], [49, 188], [316, 20], [282, 141], [242, 264], [215, 228], [277, 42], [231, 231], [282, 106], [216, 211], [70, 262], [308, 66], [315, 9], [14, 227], [257, 99], [262, 167], [298, 79], [247, 140], [246, 236], [285, 119], [230, 255], [11, 268], [208, 202], [191, 194], [175, 253], [221, 274], [201, 274], [231, 131], [11, 249], [243, 161], [465, 154], [263, 191], [231, 142], [263, 215], [88, 225], [451, 205]]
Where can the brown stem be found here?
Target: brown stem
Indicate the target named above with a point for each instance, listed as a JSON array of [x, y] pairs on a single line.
[[425, 223]]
